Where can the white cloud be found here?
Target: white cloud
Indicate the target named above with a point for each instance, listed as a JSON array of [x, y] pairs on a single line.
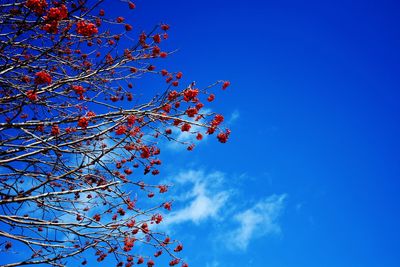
[[255, 222], [209, 196], [234, 116], [204, 198]]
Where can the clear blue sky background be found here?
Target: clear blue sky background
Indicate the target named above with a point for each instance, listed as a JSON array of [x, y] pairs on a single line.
[[314, 107], [310, 175]]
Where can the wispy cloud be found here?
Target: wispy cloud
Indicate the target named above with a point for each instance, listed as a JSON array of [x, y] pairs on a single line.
[[257, 221], [234, 117], [204, 198], [210, 197]]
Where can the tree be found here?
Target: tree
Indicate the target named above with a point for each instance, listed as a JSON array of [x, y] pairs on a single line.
[[75, 133]]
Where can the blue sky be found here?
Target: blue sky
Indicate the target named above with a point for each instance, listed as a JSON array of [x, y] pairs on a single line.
[[314, 96], [310, 175]]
